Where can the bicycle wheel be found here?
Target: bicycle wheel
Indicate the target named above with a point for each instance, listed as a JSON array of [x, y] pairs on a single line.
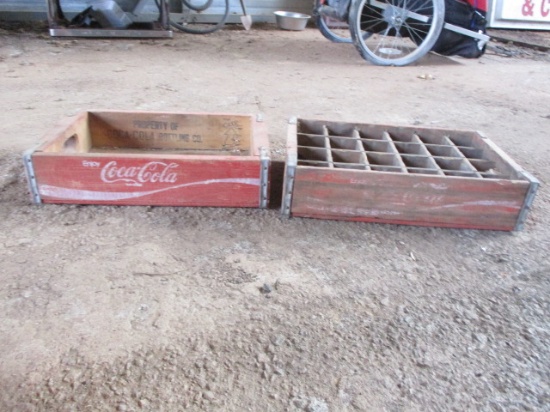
[[193, 20], [335, 30], [402, 31]]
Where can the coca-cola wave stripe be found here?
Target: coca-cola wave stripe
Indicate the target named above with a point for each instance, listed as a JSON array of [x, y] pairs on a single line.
[[92, 195]]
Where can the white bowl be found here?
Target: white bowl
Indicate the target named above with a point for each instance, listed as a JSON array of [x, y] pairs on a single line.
[[288, 20]]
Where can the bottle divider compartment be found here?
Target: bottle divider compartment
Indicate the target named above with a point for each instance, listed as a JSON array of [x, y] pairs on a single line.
[[321, 145]]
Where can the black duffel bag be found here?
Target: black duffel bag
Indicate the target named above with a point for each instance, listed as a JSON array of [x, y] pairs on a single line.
[[451, 43]]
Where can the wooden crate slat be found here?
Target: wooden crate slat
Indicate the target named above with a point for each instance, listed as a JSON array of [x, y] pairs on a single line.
[[413, 200]]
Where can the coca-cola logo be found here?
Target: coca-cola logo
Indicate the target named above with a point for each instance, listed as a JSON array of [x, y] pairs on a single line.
[[152, 172]]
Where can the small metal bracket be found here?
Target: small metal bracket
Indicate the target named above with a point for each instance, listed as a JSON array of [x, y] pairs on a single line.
[[31, 178], [290, 167], [528, 202], [264, 177], [290, 175]]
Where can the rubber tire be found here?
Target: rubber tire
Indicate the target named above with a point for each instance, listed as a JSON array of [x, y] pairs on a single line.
[[324, 29], [210, 29], [423, 48]]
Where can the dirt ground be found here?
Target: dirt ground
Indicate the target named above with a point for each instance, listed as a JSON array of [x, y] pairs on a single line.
[[171, 309]]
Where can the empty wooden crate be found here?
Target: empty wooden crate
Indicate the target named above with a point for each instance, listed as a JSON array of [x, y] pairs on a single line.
[[403, 175], [145, 158]]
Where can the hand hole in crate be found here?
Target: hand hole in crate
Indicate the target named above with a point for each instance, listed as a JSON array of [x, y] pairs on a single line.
[[70, 145]]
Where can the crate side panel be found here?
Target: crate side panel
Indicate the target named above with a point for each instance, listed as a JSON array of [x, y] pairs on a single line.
[[260, 139], [70, 135], [407, 199], [181, 131], [133, 180]]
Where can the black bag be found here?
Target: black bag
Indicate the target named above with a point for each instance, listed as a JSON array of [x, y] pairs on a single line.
[[450, 43]]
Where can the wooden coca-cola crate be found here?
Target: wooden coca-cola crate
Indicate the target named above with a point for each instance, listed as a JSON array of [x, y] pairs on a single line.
[[146, 158], [403, 175]]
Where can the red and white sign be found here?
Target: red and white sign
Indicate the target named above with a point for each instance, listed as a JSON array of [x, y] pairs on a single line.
[[520, 14]]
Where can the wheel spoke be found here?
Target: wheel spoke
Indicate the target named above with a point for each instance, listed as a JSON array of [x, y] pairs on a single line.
[[366, 20], [403, 8], [413, 31]]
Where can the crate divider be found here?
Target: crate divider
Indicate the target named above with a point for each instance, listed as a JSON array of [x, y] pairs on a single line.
[[326, 134], [361, 148], [424, 151], [465, 161], [393, 150]]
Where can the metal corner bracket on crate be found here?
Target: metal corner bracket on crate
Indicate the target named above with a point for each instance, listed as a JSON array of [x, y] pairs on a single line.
[[403, 175], [290, 168], [264, 177], [529, 198], [31, 178]]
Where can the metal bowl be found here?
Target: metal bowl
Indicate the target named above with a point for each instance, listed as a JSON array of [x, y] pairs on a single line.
[[288, 20]]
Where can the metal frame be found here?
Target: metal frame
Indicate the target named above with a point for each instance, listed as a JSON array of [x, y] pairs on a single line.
[[58, 25], [483, 38], [529, 198], [290, 171], [264, 177], [31, 178]]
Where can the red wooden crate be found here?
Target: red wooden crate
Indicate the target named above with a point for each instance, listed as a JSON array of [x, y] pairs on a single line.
[[145, 158], [403, 175]]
